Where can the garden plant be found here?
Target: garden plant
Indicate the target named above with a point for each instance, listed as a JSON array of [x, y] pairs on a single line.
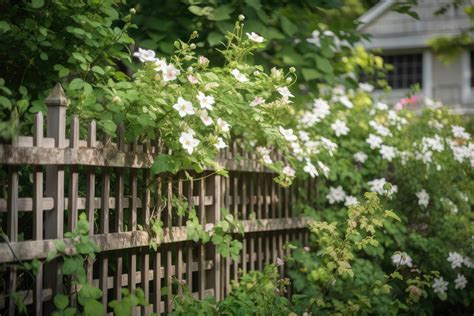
[[391, 226]]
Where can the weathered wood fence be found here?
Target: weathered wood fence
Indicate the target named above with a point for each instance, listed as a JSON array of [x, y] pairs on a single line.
[[47, 180]]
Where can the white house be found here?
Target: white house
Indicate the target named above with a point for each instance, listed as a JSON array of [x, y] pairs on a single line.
[[403, 43]]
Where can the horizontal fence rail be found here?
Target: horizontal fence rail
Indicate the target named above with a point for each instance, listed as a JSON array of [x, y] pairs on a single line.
[[48, 180]]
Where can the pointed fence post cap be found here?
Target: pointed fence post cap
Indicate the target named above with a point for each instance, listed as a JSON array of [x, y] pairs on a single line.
[[57, 97]]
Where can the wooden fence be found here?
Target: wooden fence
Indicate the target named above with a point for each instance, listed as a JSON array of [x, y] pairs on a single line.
[[48, 180]]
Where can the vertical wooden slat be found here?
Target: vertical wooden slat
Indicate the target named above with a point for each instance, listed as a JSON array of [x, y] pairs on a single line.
[[252, 211], [12, 228], [54, 219], [119, 225], [104, 229], [73, 177], [259, 255], [38, 213], [244, 198], [213, 215], [90, 194], [189, 256], [235, 208], [145, 220], [169, 254], [132, 269], [266, 208], [202, 249], [157, 282], [179, 250]]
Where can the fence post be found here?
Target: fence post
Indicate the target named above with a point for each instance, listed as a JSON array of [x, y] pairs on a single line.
[[54, 219]]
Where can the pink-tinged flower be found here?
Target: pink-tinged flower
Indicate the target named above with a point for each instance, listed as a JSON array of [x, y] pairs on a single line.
[[279, 262], [257, 101], [306, 249], [203, 61], [192, 79], [170, 73]]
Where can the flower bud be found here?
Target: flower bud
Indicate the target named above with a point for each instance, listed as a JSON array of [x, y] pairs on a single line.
[[116, 99], [192, 46], [203, 61], [132, 11], [241, 17], [292, 69], [289, 80], [190, 69]]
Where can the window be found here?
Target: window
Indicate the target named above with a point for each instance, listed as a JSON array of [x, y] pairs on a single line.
[[472, 68], [407, 70]]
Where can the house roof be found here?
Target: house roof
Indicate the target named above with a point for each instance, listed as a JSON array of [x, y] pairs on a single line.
[[374, 12]]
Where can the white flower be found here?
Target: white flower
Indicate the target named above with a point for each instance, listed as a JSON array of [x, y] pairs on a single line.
[[367, 87], [205, 118], [315, 38], [279, 262], [460, 282], [374, 141], [377, 186], [455, 259], [188, 141], [329, 145], [192, 79], [267, 159], [324, 168], [459, 132], [321, 108], [423, 198], [382, 106], [239, 76], [183, 107], [145, 55], [285, 92], [254, 37], [288, 134], [360, 156], [170, 72], [350, 201], [203, 61], [223, 125], [387, 152], [310, 169], [304, 136], [257, 101], [340, 128], [288, 171], [345, 101], [160, 64], [336, 195], [440, 286], [402, 259], [380, 129], [468, 262], [220, 143], [205, 101]]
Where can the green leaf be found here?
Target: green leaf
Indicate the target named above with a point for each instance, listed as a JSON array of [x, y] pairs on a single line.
[[109, 126], [37, 3], [323, 64], [254, 4], [196, 10], [163, 163], [72, 265], [310, 74], [76, 84], [391, 214], [98, 70], [214, 38], [5, 103], [221, 13], [61, 301], [4, 27], [289, 28]]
